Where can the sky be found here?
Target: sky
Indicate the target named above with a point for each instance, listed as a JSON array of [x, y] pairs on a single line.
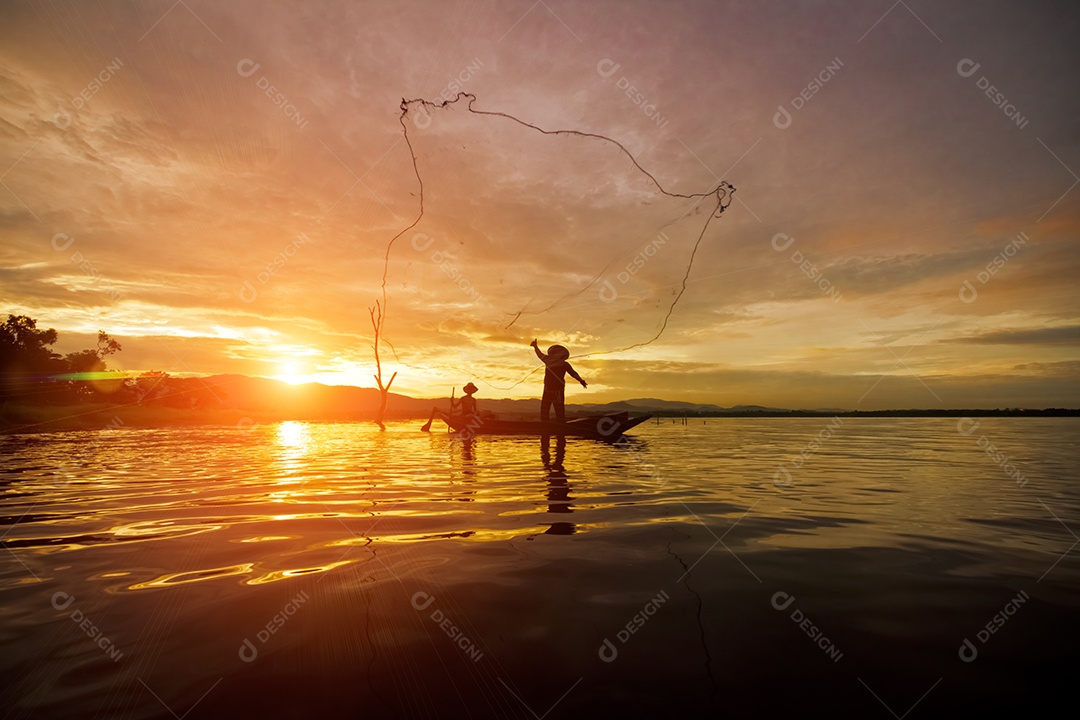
[[216, 186]]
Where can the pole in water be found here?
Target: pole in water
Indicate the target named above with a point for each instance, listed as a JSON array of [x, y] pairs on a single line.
[[451, 413]]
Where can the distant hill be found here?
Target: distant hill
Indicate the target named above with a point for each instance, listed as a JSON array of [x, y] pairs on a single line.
[[670, 407], [316, 400], [310, 400]]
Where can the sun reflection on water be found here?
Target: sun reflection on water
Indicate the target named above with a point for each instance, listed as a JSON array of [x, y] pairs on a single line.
[[294, 446], [295, 436]]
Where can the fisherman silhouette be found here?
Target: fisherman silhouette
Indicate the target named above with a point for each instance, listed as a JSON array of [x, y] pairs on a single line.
[[467, 403], [555, 381]]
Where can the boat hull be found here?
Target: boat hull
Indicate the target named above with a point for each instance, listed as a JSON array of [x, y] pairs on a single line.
[[601, 427]]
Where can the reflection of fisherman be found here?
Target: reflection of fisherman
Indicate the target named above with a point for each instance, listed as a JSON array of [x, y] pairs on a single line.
[[558, 490], [467, 404], [556, 471], [555, 380]]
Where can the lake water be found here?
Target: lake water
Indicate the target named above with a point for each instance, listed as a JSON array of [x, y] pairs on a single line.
[[768, 566]]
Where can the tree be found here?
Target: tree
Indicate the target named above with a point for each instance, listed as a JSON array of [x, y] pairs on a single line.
[[149, 387], [384, 390], [92, 360], [24, 348], [27, 362]]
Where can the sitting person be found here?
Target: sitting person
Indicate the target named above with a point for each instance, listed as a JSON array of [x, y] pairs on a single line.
[[467, 404]]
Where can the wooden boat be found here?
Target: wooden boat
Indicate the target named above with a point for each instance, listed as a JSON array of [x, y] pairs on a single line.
[[597, 427]]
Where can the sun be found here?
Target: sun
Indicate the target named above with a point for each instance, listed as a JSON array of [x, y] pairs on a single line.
[[290, 373]]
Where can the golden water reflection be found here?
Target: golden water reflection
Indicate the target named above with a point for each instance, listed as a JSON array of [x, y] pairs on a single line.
[[193, 576], [294, 436], [207, 504]]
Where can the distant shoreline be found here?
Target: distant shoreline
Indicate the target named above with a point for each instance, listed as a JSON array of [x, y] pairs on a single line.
[[1008, 412], [20, 419]]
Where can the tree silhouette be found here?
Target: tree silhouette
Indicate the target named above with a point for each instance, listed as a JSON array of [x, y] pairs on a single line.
[[29, 367], [384, 390], [25, 349], [92, 360]]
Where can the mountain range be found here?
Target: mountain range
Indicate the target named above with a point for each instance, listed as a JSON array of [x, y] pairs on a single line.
[[314, 400]]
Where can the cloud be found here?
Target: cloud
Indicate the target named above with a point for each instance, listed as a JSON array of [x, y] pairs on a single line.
[[1067, 335], [186, 184], [889, 273], [797, 389]]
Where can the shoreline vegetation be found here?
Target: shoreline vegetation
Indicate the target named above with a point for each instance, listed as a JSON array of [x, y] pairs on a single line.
[[18, 418]]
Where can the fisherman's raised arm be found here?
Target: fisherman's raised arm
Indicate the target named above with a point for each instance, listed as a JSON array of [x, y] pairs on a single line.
[[573, 373]]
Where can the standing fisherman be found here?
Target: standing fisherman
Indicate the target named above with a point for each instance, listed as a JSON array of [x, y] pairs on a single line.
[[555, 381]]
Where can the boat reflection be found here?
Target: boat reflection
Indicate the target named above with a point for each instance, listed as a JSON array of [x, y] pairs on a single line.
[[462, 456], [558, 485]]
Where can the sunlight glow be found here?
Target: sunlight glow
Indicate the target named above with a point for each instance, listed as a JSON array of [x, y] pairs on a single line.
[[290, 373]]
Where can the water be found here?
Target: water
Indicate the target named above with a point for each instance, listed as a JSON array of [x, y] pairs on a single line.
[[747, 566]]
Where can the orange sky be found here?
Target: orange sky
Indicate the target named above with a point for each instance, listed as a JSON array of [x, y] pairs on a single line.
[[215, 186]]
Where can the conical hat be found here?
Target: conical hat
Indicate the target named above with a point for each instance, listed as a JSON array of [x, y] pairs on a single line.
[[558, 352]]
